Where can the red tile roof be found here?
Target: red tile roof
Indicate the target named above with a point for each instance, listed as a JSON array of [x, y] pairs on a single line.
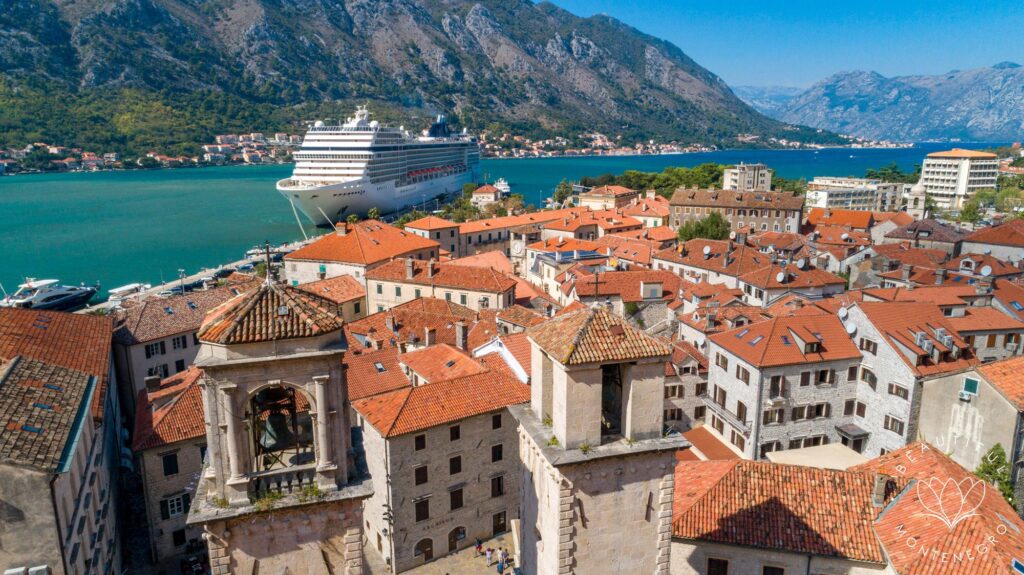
[[179, 419], [340, 289], [156, 318], [366, 379], [505, 222], [75, 341], [776, 342], [270, 312], [594, 335], [626, 285], [445, 275], [777, 507], [609, 191], [425, 406], [521, 316], [905, 254], [948, 294], [830, 217], [635, 251], [985, 319], [899, 322], [965, 526], [518, 345], [709, 445], [608, 220], [973, 264], [656, 207], [440, 362], [733, 199], [741, 259], [898, 218], [660, 234], [564, 245], [1010, 233], [793, 278], [365, 243], [431, 223], [928, 230], [494, 259], [410, 320], [960, 153]]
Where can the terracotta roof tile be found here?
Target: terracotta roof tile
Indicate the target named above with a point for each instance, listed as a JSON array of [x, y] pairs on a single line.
[[733, 199], [973, 264], [270, 312], [75, 341], [179, 418], [610, 191], [431, 223], [505, 222], [710, 446], [625, 284], [660, 234], [1010, 233], [928, 230], [777, 507], [900, 321], [409, 321], [494, 259], [518, 345], [418, 408], [856, 219], [656, 207], [365, 378], [340, 289], [365, 243], [741, 259], [960, 153], [521, 316], [793, 278], [985, 319], [594, 335], [445, 275], [157, 318], [907, 255], [776, 342], [440, 362]]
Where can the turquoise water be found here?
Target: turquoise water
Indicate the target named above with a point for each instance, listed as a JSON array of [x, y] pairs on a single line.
[[121, 227]]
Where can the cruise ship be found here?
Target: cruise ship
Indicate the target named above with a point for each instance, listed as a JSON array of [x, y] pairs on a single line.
[[361, 164]]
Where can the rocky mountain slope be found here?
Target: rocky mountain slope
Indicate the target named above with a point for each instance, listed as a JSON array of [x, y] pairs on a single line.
[[767, 99], [983, 104], [528, 66]]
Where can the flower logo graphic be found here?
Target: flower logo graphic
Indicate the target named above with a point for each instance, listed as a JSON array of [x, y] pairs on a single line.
[[951, 501]]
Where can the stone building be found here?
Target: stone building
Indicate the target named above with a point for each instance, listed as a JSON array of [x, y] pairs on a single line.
[[686, 382], [60, 444], [595, 462], [747, 178], [782, 384], [607, 197], [711, 261], [441, 451], [405, 280], [752, 211], [279, 491], [1004, 241], [928, 233], [442, 231], [346, 291]]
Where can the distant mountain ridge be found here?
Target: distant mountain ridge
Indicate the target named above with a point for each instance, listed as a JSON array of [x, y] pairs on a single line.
[[982, 104], [527, 66]]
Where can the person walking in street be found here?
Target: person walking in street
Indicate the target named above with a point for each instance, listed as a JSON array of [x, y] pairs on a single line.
[[479, 547], [490, 553]]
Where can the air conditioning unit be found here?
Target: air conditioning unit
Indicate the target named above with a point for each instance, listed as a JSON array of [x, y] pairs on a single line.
[[928, 345], [965, 396], [947, 340], [777, 401], [1011, 347]]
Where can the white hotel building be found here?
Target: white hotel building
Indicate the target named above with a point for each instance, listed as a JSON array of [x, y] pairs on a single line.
[[951, 177]]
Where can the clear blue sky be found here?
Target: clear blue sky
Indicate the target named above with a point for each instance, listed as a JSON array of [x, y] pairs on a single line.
[[798, 42]]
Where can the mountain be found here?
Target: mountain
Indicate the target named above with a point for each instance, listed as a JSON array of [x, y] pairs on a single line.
[[159, 66], [767, 99], [983, 104]]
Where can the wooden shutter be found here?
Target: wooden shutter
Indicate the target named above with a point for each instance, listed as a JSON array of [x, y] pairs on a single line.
[[165, 512]]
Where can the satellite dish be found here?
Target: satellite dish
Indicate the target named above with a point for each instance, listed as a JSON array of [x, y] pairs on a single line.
[[780, 277], [851, 328], [700, 342], [318, 124], [801, 263], [732, 235], [707, 250], [986, 271], [845, 236], [843, 313]]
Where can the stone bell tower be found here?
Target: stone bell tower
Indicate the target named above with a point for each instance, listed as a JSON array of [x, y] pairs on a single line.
[[598, 468], [278, 492]]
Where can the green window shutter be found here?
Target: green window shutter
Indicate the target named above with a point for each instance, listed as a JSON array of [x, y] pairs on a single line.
[[971, 385]]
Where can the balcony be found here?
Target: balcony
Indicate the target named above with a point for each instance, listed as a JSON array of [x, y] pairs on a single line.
[[726, 415], [283, 480]]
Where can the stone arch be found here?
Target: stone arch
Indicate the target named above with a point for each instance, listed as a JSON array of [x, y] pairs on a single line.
[[281, 425], [454, 536], [424, 548]]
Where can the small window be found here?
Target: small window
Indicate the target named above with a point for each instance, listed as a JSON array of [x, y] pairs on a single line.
[[420, 442], [970, 385], [178, 537], [454, 432], [496, 453], [496, 421], [498, 486], [455, 465], [455, 497], [421, 474], [718, 566], [422, 510], [379, 367], [380, 289], [170, 462]]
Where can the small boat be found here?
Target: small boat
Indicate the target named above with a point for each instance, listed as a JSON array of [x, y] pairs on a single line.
[[119, 294], [502, 186], [49, 294]]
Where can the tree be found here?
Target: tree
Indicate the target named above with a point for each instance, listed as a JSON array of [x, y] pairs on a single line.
[[562, 191], [373, 213], [995, 469], [710, 227], [970, 212], [352, 218], [468, 189]]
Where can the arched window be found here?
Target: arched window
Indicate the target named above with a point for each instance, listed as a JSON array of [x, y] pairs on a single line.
[[425, 548], [282, 431], [454, 536]]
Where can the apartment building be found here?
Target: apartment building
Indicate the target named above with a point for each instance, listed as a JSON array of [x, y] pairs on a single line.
[[607, 197], [404, 280], [781, 383], [952, 177], [686, 381], [767, 285], [747, 178], [156, 337], [441, 452], [345, 291], [711, 261], [1003, 241], [928, 233], [750, 211], [60, 447], [354, 250], [170, 446], [861, 194], [445, 233]]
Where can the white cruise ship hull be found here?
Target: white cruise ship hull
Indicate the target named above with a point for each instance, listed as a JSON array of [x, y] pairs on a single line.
[[358, 196]]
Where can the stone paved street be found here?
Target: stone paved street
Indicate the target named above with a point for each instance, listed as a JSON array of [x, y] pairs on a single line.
[[465, 562]]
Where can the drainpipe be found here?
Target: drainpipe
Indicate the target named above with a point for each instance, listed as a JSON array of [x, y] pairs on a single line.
[[809, 559], [391, 509], [756, 433]]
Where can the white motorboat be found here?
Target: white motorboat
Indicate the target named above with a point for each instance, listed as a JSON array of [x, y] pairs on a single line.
[[49, 294]]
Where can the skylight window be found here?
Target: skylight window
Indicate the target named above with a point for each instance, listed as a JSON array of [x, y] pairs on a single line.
[[756, 340], [785, 340], [743, 333], [169, 310], [53, 386], [1016, 305], [192, 305], [31, 429], [45, 406], [380, 367], [450, 363]]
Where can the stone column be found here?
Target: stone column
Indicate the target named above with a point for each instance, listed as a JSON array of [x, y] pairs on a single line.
[[236, 488], [322, 422]]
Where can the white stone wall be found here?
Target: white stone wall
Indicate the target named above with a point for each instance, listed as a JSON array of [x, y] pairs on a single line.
[[690, 557], [393, 293], [1005, 253]]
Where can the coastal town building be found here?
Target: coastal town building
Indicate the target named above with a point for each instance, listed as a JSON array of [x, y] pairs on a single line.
[[747, 178], [854, 194], [485, 195], [765, 286], [440, 230], [441, 452], [1003, 241], [278, 438], [642, 295], [170, 445], [593, 458], [751, 211], [928, 233], [686, 379], [408, 279], [951, 177], [60, 447], [652, 210], [354, 249], [591, 225], [607, 198], [345, 291], [156, 337], [711, 261]]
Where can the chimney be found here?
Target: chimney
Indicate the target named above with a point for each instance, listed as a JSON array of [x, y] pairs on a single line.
[[650, 194], [152, 383], [460, 335], [430, 268], [429, 336], [575, 255], [905, 274], [389, 321], [342, 229], [409, 268], [940, 275]]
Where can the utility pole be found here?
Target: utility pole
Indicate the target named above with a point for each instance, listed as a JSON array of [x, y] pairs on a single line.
[[181, 279]]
